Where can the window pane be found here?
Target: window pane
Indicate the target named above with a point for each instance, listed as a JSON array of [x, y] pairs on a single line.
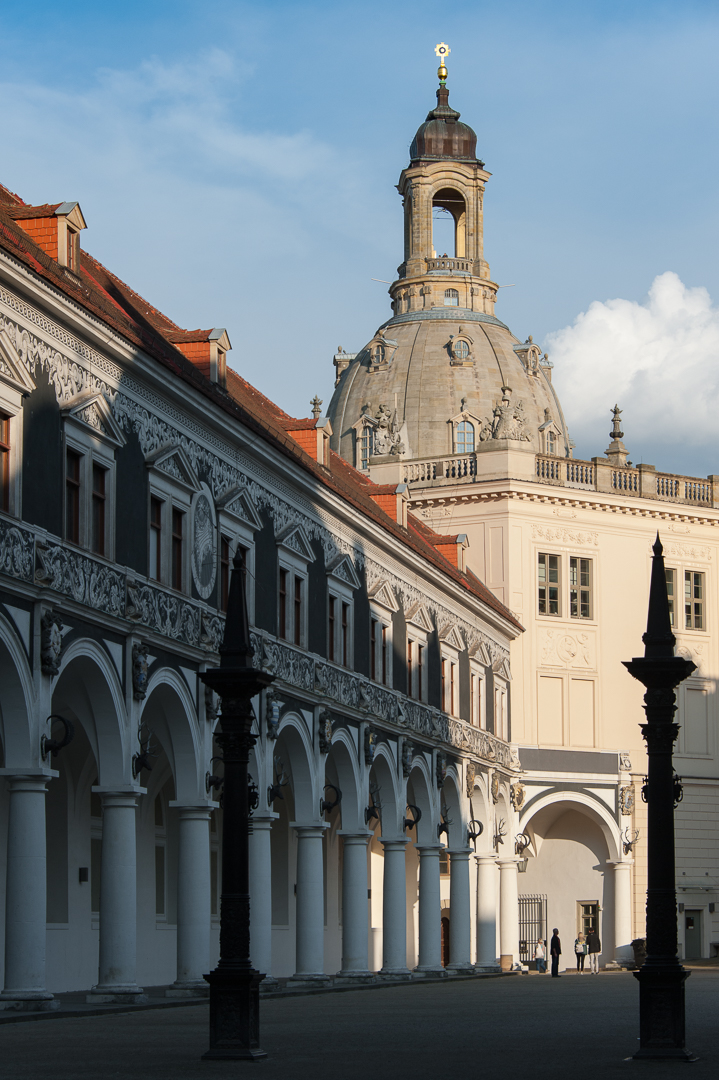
[[72, 497], [177, 535], [548, 584], [580, 606], [283, 604], [4, 462], [298, 611], [332, 629], [98, 509]]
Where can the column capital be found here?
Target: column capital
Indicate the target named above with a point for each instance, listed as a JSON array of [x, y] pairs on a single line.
[[315, 829], [508, 861], [396, 843], [198, 813], [29, 774], [620, 864], [118, 791], [463, 852], [429, 849], [350, 837], [485, 858], [116, 798]]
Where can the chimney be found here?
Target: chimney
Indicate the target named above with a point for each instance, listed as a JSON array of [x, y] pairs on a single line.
[[206, 349]]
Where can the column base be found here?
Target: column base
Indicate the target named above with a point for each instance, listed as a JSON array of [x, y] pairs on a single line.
[[116, 995], [234, 1015], [355, 977], [464, 968], [488, 969], [307, 980], [188, 990], [426, 969], [44, 1002], [395, 974]]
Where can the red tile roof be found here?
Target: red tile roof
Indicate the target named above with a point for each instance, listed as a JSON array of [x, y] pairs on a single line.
[[126, 312]]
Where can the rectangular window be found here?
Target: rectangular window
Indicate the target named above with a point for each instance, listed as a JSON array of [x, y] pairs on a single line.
[[365, 444], [155, 538], [473, 700], [4, 462], [580, 588], [178, 524], [588, 913], [224, 572], [72, 250], [284, 574], [385, 653], [373, 626], [444, 684], [410, 667], [548, 569], [298, 611], [444, 863], [693, 600], [452, 689], [331, 630], [345, 635], [72, 496], [671, 593], [99, 476], [420, 672], [159, 879]]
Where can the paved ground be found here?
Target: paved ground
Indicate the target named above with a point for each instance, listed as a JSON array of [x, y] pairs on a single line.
[[580, 1027]]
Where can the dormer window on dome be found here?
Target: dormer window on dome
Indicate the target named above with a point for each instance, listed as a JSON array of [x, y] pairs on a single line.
[[451, 298]]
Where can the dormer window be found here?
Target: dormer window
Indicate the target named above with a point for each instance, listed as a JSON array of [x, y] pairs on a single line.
[[451, 298], [461, 349], [550, 442], [73, 250], [464, 438]]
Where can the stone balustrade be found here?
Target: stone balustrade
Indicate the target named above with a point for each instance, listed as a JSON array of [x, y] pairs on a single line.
[[644, 481], [449, 266]]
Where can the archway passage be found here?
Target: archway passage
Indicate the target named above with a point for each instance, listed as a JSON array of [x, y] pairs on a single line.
[[570, 865], [449, 216]]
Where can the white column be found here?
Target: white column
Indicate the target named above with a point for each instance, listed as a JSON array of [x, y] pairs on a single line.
[[430, 910], [261, 897], [623, 951], [193, 902], [118, 901], [460, 921], [26, 897], [487, 912], [508, 913], [394, 909], [310, 908], [354, 906]]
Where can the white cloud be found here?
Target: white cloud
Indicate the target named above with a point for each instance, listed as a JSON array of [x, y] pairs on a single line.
[[660, 361]]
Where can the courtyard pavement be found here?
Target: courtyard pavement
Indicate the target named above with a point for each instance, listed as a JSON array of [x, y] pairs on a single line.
[[577, 1026]]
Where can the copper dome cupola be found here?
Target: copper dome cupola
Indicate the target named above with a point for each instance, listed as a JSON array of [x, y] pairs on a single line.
[[442, 136]]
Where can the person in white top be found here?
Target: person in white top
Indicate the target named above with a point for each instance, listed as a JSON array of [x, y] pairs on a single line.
[[540, 956]]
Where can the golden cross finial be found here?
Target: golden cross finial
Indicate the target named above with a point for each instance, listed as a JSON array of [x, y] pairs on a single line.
[[442, 51]]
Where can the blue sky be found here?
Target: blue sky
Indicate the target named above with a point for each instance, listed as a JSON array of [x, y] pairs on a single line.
[[236, 164]]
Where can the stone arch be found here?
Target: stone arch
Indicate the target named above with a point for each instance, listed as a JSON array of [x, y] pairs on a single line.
[[451, 199], [456, 837], [19, 737], [294, 746], [420, 793], [88, 690], [169, 712], [342, 769], [384, 773], [583, 804], [481, 807]]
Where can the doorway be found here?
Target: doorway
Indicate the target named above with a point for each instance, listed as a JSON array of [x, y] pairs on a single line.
[[693, 935]]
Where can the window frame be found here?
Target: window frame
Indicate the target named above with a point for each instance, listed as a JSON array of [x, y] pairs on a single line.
[[690, 616], [449, 680], [564, 587], [580, 588], [296, 571], [501, 708], [240, 531], [477, 696], [92, 453], [547, 585], [465, 424], [15, 384], [451, 298]]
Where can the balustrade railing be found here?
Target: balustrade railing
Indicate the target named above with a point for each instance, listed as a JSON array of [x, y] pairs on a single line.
[[450, 266], [456, 467]]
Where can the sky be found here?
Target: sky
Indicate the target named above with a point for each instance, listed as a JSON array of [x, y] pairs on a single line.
[[236, 164]]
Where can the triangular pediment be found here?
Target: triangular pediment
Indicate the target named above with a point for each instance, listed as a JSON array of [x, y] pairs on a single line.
[[450, 635], [418, 616], [92, 411], [12, 369], [465, 415], [482, 654], [294, 539], [343, 569], [174, 462], [383, 595], [501, 667], [237, 502]]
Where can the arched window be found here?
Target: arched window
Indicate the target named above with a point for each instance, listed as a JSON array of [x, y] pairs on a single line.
[[365, 446], [550, 442], [464, 437], [451, 298]]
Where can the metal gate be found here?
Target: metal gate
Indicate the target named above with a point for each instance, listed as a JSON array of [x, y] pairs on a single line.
[[532, 924]]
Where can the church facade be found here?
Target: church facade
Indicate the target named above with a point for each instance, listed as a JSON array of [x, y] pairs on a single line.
[[134, 463], [445, 399]]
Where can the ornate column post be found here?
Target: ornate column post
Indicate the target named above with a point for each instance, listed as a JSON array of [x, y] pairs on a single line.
[[354, 907], [508, 913], [310, 922], [623, 951], [193, 902], [430, 911], [487, 912], [460, 937], [394, 910], [26, 897], [261, 896], [662, 977], [235, 984], [118, 901]]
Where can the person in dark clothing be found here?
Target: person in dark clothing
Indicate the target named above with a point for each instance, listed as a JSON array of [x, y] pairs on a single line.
[[555, 948], [594, 947]]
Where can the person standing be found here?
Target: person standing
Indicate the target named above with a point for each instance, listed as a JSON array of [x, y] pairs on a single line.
[[594, 947], [580, 949], [555, 948], [540, 957]]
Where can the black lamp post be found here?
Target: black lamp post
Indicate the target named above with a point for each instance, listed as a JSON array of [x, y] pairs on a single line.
[[661, 977], [234, 984]]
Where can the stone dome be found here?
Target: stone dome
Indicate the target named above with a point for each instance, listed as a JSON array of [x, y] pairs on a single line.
[[442, 136], [429, 369]]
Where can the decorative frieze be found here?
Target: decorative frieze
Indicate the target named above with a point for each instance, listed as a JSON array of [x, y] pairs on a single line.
[[17, 551], [169, 615], [88, 581]]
